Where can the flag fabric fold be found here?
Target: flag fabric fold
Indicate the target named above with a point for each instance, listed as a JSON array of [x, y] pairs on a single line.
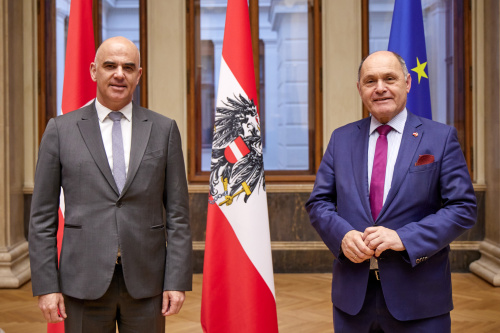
[[407, 38], [78, 87], [238, 283]]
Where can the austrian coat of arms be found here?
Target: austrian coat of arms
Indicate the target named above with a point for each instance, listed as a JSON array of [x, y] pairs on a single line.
[[237, 163]]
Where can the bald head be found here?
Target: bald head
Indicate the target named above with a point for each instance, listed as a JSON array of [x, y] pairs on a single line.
[[385, 53], [117, 71], [116, 41]]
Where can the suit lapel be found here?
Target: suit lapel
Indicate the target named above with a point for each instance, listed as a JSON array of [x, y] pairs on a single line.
[[141, 130], [91, 133], [409, 144], [359, 154]]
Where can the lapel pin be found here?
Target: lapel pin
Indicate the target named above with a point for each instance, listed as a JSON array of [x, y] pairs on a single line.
[[415, 134]]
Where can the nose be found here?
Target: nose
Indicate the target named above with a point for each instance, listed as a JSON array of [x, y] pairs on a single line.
[[119, 72], [380, 87]]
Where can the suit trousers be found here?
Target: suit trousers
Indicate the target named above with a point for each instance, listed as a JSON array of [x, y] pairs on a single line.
[[115, 307], [375, 317]]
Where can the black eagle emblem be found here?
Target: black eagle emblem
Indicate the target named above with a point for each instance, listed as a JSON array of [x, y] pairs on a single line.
[[237, 162]]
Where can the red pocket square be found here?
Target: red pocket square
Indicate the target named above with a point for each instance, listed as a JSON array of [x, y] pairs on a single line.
[[425, 159]]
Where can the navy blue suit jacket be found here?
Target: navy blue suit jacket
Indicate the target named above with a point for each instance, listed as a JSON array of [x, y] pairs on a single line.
[[428, 205]]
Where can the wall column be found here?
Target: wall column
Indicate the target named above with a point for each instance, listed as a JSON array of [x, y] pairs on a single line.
[[488, 266], [14, 261]]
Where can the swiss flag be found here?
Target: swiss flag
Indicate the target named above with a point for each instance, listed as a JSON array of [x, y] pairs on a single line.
[[78, 88]]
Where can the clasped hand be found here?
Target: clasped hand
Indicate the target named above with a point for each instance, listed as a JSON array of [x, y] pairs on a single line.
[[360, 246]]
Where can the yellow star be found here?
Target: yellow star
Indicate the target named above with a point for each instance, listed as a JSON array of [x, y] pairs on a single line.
[[420, 70]]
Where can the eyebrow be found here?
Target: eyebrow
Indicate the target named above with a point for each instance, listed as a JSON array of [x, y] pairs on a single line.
[[109, 62], [371, 75]]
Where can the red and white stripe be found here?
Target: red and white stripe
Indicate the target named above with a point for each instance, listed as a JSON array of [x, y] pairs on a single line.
[[238, 283], [236, 150]]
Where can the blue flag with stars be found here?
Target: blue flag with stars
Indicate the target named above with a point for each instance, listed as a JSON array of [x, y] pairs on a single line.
[[408, 40]]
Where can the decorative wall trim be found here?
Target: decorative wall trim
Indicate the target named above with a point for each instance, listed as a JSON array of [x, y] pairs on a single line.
[[293, 188], [197, 188], [480, 187], [28, 189], [318, 246], [465, 246], [270, 188], [279, 246]]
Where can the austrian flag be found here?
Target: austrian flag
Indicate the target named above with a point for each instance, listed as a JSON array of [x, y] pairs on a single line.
[[238, 284]]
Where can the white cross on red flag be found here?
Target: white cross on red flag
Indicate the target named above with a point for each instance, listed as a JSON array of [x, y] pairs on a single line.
[[238, 283]]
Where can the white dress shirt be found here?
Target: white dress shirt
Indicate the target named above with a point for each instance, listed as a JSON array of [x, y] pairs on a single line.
[[106, 125], [393, 143]]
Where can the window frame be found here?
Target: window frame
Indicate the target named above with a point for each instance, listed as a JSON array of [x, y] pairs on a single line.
[[195, 174], [47, 105]]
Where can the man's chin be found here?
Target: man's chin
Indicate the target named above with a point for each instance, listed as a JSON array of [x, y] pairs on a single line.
[[113, 90], [116, 102], [384, 116], [118, 96]]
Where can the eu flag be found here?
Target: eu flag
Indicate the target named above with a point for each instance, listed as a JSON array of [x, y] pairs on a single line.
[[408, 40]]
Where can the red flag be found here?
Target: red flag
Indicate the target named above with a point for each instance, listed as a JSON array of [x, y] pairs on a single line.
[[238, 284], [78, 88]]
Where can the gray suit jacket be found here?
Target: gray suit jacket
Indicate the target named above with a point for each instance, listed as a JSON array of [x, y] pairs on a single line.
[[98, 218]]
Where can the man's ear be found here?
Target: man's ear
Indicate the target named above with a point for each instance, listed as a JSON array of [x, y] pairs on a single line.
[[408, 83], [140, 74], [93, 71]]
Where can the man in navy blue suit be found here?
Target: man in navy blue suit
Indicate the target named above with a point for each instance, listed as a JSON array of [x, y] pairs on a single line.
[[388, 213]]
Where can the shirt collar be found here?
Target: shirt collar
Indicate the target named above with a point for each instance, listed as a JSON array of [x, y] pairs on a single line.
[[397, 123], [102, 111]]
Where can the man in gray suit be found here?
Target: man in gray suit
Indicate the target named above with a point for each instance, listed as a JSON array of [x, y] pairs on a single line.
[[126, 251]]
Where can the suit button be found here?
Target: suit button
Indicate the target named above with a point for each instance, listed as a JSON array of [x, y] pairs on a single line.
[[119, 204]]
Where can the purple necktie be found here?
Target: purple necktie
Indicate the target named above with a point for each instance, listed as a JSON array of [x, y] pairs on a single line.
[[119, 172], [378, 172]]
